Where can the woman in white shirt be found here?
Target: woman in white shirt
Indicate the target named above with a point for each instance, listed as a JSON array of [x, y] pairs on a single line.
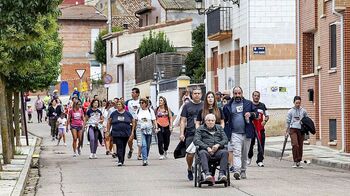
[[146, 122]]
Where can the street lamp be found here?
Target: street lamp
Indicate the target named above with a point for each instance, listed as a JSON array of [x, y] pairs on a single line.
[[157, 76], [200, 7]]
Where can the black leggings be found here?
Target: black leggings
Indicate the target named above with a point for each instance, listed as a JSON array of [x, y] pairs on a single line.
[[163, 139], [121, 143], [40, 115]]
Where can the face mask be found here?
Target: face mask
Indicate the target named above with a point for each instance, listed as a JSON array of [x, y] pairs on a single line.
[[238, 99]]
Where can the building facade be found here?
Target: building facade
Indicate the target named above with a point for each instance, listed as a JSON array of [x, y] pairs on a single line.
[[79, 28], [159, 11], [252, 45], [323, 69], [123, 58]]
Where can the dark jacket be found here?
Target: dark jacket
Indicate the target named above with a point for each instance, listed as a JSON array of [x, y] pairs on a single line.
[[204, 139], [248, 106], [307, 125], [54, 113]]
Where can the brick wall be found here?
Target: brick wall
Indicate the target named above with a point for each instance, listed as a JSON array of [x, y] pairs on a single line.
[[307, 53], [325, 81], [347, 77]]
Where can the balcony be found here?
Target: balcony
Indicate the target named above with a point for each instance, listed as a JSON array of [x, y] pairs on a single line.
[[219, 24]]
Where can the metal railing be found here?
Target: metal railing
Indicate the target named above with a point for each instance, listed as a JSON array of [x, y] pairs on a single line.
[[219, 20]]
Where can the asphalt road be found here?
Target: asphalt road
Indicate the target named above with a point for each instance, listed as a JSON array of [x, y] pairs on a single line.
[[61, 174]]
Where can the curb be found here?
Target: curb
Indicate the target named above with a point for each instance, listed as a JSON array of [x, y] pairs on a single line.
[[21, 182], [274, 153]]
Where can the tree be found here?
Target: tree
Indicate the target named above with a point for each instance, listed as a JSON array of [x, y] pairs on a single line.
[[195, 60], [155, 42], [29, 51], [100, 45]]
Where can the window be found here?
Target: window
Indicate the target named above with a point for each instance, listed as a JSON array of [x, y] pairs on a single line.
[[318, 56], [229, 59], [146, 19], [332, 130], [111, 48], [157, 19], [333, 46], [140, 22], [94, 36]]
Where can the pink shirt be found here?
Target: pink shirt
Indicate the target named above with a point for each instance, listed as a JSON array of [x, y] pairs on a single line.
[[77, 117]]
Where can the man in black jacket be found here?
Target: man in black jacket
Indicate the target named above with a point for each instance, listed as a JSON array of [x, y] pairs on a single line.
[[211, 140]]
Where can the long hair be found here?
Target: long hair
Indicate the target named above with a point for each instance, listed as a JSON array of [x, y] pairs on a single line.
[[165, 103], [216, 110]]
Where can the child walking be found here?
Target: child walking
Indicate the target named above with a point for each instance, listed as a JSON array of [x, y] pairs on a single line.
[[30, 112], [62, 127]]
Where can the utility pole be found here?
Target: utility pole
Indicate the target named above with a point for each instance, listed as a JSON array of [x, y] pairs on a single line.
[[109, 17]]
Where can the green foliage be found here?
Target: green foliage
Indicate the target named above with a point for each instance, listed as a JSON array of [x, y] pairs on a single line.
[[30, 49], [195, 60], [155, 42], [100, 45]]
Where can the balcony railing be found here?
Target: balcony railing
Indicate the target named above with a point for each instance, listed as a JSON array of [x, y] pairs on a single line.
[[219, 24]]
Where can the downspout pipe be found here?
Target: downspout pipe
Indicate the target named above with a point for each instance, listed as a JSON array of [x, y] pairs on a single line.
[[248, 46], [298, 46], [341, 73]]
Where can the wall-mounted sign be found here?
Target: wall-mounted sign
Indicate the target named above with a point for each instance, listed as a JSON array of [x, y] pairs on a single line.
[[259, 50], [107, 79]]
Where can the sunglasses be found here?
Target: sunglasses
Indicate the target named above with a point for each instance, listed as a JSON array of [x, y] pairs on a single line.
[[141, 102]]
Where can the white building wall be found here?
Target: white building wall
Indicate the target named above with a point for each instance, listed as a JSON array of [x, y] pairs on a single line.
[[172, 98], [179, 35]]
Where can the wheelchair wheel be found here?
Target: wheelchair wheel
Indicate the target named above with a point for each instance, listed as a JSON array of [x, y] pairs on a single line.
[[195, 173], [228, 176]]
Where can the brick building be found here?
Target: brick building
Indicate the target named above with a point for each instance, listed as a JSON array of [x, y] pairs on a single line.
[[323, 45], [79, 27], [253, 46]]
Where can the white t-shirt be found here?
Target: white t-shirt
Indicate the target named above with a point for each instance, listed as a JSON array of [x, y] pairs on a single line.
[[62, 123], [133, 106], [144, 119]]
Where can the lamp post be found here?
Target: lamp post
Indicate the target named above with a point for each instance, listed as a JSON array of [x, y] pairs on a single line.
[[157, 76]]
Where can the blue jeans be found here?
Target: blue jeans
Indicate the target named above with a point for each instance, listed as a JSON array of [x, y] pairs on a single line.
[[145, 146]]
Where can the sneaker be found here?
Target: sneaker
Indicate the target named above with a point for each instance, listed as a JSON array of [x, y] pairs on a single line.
[[249, 161], [64, 144], [237, 176], [260, 164], [295, 165], [139, 157], [207, 177], [75, 155], [161, 157], [129, 154], [114, 155], [232, 169], [53, 139], [189, 175], [91, 156], [94, 156], [222, 177], [243, 175], [165, 154], [145, 163], [299, 165], [120, 164], [107, 152], [79, 151], [58, 142]]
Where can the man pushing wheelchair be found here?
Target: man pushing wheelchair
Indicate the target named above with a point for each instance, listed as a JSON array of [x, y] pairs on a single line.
[[210, 140]]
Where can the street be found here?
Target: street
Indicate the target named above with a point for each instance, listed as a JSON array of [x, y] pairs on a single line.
[[61, 174]]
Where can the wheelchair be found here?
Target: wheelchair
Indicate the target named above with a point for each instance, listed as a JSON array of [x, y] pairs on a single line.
[[213, 166]]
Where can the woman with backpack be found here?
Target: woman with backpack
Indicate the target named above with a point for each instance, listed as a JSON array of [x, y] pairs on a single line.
[[76, 122], [164, 120], [146, 122]]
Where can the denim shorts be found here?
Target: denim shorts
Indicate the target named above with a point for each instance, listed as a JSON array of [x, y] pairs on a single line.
[[78, 128]]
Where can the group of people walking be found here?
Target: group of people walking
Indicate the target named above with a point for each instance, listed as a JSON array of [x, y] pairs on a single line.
[[117, 124]]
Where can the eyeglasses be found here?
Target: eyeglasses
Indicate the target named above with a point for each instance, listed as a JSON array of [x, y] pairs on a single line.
[[141, 102]]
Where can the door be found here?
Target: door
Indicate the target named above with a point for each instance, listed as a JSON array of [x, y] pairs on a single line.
[[215, 68]]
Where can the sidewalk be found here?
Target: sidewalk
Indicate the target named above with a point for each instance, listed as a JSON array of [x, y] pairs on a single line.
[[319, 155], [14, 176]]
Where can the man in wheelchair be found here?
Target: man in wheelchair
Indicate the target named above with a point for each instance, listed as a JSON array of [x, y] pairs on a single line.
[[211, 139]]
